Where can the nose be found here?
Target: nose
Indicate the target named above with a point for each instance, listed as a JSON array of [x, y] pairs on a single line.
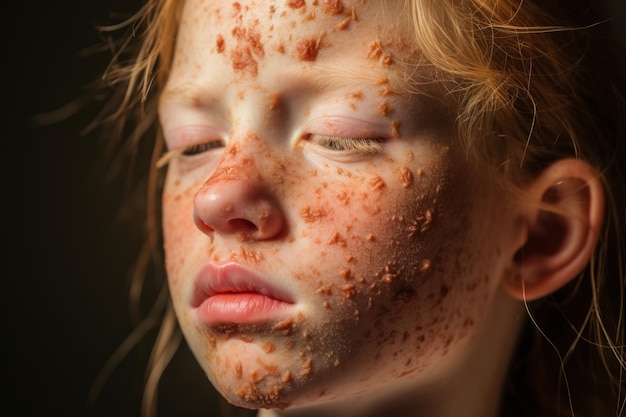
[[236, 200]]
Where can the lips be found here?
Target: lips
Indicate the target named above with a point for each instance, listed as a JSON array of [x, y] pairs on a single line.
[[231, 293]]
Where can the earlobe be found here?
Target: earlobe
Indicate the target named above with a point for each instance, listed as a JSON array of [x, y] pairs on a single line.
[[564, 214]]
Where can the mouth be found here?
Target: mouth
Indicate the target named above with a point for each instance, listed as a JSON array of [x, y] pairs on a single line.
[[231, 293]]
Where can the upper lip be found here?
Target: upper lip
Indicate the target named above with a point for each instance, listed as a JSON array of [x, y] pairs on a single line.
[[215, 279]]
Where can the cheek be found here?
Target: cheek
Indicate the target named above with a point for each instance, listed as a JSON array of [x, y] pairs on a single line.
[[399, 276], [178, 227]]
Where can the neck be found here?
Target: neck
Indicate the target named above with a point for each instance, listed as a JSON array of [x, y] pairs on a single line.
[[473, 390]]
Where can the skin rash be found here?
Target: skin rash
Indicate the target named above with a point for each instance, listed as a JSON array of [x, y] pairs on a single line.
[[391, 253]]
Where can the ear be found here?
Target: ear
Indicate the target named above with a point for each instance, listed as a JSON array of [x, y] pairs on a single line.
[[564, 210]]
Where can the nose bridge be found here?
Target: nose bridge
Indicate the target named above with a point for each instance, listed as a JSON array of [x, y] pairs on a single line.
[[236, 198], [238, 161]]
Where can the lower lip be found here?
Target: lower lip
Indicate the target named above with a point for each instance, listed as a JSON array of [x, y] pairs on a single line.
[[243, 308]]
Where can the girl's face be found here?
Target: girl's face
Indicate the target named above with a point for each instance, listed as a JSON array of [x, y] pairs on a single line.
[[324, 234]]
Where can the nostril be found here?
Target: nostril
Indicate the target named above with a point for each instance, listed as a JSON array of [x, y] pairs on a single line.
[[243, 225], [200, 224]]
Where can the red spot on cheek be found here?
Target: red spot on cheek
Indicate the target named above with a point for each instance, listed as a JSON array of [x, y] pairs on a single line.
[[242, 60], [220, 44], [311, 214], [236, 7], [295, 4], [333, 7], [308, 49]]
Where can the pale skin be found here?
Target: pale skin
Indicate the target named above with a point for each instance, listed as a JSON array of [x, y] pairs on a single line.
[[396, 255]]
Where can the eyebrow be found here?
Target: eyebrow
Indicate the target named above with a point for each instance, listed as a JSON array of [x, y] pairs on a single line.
[[187, 95]]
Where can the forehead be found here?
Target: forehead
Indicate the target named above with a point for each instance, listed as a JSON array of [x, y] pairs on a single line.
[[257, 40]]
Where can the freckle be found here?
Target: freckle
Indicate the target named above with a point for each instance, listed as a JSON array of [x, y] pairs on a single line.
[[284, 325], [407, 177], [280, 48], [295, 4], [348, 290], [255, 377], [358, 96], [383, 109], [308, 48], [344, 23], [385, 91], [243, 61], [220, 44], [375, 50], [274, 101], [395, 129], [344, 273], [311, 214], [377, 183], [306, 369], [333, 7], [387, 60], [286, 377], [325, 289], [337, 239]]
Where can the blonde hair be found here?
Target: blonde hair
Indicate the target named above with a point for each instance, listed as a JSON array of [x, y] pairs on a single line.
[[533, 82], [531, 87]]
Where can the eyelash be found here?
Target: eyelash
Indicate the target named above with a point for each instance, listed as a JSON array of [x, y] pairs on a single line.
[[332, 143], [191, 150], [339, 143], [201, 147]]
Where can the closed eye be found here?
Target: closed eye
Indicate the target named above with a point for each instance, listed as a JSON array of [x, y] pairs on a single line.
[[202, 147], [191, 150], [339, 143]]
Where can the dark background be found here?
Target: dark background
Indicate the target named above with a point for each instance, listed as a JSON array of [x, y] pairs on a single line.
[[67, 247], [67, 250]]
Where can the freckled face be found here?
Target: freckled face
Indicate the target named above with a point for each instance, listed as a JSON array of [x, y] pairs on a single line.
[[302, 159]]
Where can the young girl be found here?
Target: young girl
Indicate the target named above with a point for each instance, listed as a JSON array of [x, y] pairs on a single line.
[[377, 208]]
